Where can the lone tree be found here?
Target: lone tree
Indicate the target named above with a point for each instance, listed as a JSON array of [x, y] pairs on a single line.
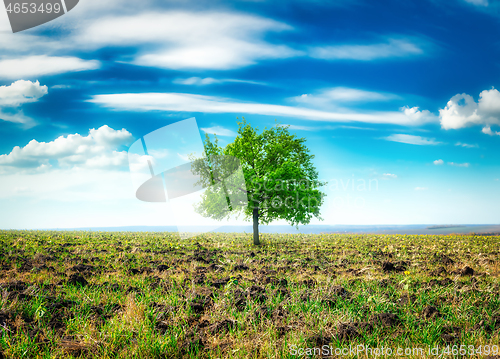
[[280, 179]]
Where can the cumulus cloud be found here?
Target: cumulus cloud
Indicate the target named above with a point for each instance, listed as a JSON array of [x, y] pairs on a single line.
[[185, 102], [487, 130], [12, 97], [387, 49], [412, 140], [417, 116], [218, 130], [463, 111], [438, 162], [21, 92], [96, 150]]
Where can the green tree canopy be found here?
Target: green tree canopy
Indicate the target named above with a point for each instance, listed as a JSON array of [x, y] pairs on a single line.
[[280, 180]]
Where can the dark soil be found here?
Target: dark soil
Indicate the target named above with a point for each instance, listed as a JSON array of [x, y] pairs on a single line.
[[385, 319]]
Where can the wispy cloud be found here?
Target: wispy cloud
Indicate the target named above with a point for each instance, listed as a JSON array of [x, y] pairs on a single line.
[[183, 157], [459, 164], [32, 67], [198, 81], [211, 104], [218, 130], [412, 140], [341, 95], [384, 50], [478, 2], [303, 128], [466, 145], [189, 40], [389, 175], [441, 162]]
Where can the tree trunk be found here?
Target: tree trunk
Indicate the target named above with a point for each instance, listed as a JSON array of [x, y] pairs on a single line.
[[256, 226]]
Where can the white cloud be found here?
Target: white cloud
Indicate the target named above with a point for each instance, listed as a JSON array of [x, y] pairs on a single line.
[[183, 157], [421, 188], [354, 128], [17, 116], [174, 39], [302, 128], [341, 95], [478, 2], [218, 130], [107, 137], [189, 40], [412, 140], [35, 66], [388, 49], [487, 130], [198, 81], [184, 102], [61, 87], [16, 94], [441, 162], [489, 102], [97, 150], [459, 164], [389, 175], [21, 92], [466, 145], [417, 116], [462, 111]]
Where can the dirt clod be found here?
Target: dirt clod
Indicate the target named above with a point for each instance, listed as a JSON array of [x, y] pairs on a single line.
[[466, 271], [162, 268], [347, 332], [256, 293], [76, 279], [430, 312], [385, 319], [239, 267]]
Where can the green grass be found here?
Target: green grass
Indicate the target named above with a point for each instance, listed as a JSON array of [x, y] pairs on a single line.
[[292, 292]]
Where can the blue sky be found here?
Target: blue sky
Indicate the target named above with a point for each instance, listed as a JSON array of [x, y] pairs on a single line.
[[399, 93]]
